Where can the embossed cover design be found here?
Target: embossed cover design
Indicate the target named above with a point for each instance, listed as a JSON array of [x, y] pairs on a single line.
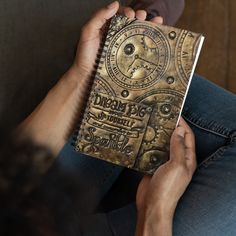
[[138, 93]]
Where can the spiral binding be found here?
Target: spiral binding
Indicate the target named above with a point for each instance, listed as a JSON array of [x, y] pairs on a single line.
[[100, 59], [108, 31]]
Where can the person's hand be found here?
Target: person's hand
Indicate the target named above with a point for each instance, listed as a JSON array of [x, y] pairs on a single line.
[[92, 34], [157, 196], [51, 123]]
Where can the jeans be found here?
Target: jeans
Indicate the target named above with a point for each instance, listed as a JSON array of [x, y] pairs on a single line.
[[208, 207]]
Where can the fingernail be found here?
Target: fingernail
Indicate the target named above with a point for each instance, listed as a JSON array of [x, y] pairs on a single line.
[[112, 5]]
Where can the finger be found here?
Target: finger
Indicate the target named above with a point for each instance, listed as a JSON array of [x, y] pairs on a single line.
[[143, 185], [179, 152], [127, 11], [121, 10], [141, 14], [190, 153], [190, 159], [177, 144], [142, 191], [157, 20], [189, 140], [189, 135], [100, 17], [184, 124]]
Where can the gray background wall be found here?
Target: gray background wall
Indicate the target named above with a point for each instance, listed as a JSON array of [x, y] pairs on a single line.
[[37, 45]]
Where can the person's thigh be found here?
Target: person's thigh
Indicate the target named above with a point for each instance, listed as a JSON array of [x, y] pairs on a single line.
[[77, 183], [92, 178], [208, 207], [211, 113]]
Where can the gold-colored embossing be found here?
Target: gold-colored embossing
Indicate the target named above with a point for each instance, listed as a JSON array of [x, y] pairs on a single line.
[[138, 93]]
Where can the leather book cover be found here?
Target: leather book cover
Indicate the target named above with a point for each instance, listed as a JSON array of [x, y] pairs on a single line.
[[138, 93]]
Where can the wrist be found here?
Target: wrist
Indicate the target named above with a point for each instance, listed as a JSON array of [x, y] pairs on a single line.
[[158, 208], [161, 210], [155, 220], [160, 225], [78, 75]]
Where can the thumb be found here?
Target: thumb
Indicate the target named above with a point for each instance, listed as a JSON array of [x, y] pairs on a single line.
[[177, 144], [101, 16]]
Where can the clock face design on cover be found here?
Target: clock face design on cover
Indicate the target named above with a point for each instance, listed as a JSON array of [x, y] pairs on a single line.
[[186, 51], [137, 57]]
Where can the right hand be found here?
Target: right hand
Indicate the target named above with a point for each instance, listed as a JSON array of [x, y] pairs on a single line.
[[157, 196]]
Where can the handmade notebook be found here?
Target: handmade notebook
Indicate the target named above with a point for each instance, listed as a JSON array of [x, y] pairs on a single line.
[[138, 92]]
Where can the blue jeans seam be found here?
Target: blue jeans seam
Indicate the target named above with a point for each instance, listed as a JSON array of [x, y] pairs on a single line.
[[214, 156], [221, 131]]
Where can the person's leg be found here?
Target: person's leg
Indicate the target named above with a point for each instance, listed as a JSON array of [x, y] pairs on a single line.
[[208, 207], [211, 113], [92, 176], [79, 180], [206, 110]]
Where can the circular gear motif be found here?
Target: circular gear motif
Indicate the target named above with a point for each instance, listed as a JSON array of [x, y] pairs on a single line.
[[137, 57], [152, 159], [166, 107], [185, 52], [149, 44]]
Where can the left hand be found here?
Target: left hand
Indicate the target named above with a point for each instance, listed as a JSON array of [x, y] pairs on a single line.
[[51, 123], [91, 36]]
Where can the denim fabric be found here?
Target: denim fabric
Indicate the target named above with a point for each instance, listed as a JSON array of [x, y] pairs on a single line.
[[208, 207], [100, 175]]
